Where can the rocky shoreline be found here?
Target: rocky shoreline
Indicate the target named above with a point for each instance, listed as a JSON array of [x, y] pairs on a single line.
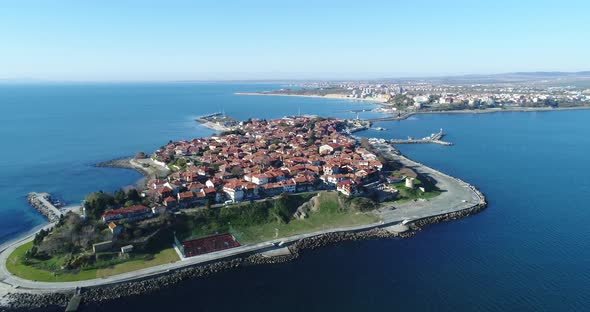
[[124, 163], [21, 300], [44, 206]]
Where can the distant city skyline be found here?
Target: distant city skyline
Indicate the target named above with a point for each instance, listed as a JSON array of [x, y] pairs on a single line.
[[269, 40]]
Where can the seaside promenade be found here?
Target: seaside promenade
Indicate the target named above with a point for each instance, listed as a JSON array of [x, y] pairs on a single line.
[[456, 196]]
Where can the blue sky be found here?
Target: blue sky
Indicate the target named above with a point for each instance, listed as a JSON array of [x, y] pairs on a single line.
[[212, 40]]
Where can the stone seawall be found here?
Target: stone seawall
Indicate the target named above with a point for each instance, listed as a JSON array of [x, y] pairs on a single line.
[[140, 287]]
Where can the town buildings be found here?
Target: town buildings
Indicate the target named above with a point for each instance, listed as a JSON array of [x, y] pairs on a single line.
[[133, 213], [263, 158]]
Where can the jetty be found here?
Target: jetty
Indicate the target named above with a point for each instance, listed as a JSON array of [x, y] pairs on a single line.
[[398, 116], [217, 121], [217, 114], [356, 125], [74, 303], [42, 202], [435, 138]]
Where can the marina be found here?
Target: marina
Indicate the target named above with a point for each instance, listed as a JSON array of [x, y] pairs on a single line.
[[43, 203], [435, 138], [217, 121]]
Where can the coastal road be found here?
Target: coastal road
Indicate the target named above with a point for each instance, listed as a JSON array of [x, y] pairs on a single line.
[[456, 196]]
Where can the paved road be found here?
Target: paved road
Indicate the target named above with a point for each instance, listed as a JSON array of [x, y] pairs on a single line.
[[456, 196]]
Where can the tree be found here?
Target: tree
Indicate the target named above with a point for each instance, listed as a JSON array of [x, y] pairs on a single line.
[[60, 222], [133, 195], [237, 171], [40, 236], [32, 252], [120, 197], [311, 139], [280, 209], [140, 155], [96, 203]]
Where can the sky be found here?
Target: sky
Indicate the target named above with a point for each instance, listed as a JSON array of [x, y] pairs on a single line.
[[126, 40]]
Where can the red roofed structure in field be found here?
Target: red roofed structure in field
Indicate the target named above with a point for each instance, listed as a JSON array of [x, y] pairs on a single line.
[[195, 247]]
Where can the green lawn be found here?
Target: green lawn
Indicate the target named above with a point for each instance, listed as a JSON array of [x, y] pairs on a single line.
[[36, 270], [406, 195], [330, 215], [165, 256]]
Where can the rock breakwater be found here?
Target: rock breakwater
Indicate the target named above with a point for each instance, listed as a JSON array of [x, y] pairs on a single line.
[[141, 287]]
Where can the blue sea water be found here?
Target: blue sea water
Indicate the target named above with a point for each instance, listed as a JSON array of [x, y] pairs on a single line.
[[528, 251], [52, 135]]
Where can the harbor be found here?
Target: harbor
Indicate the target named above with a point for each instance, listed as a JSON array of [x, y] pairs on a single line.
[[43, 203], [217, 121], [435, 138], [396, 116]]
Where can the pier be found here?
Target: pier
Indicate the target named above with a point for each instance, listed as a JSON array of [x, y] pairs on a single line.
[[74, 303], [435, 138], [356, 129], [42, 202], [210, 115], [356, 125], [218, 121], [413, 141], [399, 116]]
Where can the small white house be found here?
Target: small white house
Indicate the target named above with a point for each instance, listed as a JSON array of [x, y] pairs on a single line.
[[326, 149], [127, 249]]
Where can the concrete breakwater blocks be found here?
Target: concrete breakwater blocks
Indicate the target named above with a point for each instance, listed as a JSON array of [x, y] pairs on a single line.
[[398, 228], [40, 201], [280, 252], [139, 287]]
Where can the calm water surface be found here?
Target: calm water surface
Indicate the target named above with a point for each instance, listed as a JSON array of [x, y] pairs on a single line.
[[52, 135], [527, 252]]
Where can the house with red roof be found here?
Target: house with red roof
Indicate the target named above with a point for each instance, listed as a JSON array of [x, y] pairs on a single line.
[[170, 202], [347, 187], [234, 190], [133, 213]]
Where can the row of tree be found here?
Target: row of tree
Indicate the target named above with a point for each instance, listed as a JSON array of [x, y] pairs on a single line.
[[96, 203]]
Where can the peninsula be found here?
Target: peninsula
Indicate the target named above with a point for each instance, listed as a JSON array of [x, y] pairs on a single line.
[[261, 192]]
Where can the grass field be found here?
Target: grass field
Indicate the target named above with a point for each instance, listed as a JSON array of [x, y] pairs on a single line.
[[330, 215], [15, 265], [406, 195]]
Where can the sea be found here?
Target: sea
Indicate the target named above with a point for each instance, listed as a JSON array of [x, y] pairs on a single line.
[[528, 251]]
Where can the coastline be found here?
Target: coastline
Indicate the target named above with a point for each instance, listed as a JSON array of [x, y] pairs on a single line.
[[39, 294], [122, 163], [502, 110], [212, 125], [475, 112], [409, 114], [146, 167], [36, 294], [327, 96]]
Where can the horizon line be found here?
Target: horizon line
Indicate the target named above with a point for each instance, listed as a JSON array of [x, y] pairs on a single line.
[[262, 80]]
